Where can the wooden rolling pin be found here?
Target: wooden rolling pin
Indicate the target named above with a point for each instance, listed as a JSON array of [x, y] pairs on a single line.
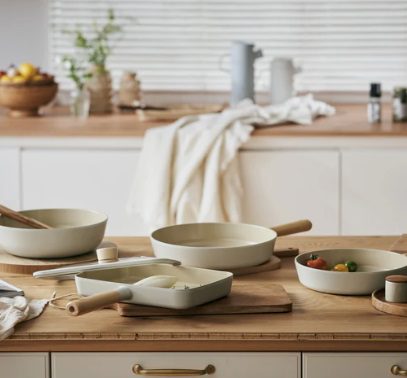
[[6, 212]]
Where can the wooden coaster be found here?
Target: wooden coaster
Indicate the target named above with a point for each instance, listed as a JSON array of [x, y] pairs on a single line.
[[273, 264], [243, 299], [14, 264], [379, 303], [286, 252]]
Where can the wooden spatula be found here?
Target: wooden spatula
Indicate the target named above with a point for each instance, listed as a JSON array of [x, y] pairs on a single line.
[[6, 212]]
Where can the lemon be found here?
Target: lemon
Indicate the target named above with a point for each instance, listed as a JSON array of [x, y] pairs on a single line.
[[19, 79], [27, 70], [37, 78], [5, 79]]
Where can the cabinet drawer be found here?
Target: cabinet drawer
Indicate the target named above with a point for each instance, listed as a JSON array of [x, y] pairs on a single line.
[[227, 365], [352, 365], [24, 365]]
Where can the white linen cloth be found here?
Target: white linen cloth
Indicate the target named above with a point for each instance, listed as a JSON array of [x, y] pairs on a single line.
[[16, 310], [188, 171]]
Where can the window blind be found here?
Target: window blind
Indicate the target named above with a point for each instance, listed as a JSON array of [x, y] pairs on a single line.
[[178, 44]]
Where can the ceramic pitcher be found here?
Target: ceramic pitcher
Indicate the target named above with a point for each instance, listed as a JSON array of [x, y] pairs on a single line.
[[242, 59], [282, 74]]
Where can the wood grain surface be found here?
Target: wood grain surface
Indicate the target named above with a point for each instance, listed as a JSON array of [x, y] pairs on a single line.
[[400, 245], [15, 264], [318, 322], [379, 302], [273, 264], [254, 299], [350, 120]]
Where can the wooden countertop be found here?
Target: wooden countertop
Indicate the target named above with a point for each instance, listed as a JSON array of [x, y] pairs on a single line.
[[350, 121], [319, 322]]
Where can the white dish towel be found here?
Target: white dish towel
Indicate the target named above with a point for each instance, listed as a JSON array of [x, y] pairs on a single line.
[[188, 171], [16, 310]]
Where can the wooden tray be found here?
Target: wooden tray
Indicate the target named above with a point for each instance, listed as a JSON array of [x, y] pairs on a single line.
[[379, 303], [172, 114], [243, 299]]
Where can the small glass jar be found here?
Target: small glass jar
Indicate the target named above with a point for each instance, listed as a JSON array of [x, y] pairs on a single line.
[[80, 102], [400, 104]]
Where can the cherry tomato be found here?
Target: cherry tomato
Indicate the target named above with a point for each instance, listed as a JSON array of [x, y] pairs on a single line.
[[352, 266], [316, 262], [340, 268]]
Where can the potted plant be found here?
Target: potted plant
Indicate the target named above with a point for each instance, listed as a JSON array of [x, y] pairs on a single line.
[[95, 49]]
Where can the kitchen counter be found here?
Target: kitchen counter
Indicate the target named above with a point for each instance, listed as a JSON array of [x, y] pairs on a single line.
[[318, 322], [350, 120]]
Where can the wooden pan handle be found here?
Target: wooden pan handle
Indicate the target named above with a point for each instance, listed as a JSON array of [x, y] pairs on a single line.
[[94, 302], [293, 228], [6, 212]]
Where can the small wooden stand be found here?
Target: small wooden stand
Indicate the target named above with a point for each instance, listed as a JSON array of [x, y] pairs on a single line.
[[379, 303]]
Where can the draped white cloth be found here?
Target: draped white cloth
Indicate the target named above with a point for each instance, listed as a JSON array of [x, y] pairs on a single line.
[[189, 172]]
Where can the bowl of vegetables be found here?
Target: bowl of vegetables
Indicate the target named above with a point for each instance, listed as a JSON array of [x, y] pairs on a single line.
[[356, 271]]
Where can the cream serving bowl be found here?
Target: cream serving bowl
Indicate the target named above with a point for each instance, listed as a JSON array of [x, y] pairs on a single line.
[[373, 266], [74, 232]]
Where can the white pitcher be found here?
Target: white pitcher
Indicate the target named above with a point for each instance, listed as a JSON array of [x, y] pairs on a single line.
[[282, 74]]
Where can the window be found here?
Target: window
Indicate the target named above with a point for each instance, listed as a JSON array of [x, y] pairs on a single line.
[[178, 44]]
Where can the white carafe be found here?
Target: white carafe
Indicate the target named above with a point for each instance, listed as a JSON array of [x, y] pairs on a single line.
[[282, 74]]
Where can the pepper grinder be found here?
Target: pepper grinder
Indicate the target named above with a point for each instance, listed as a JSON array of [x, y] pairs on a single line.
[[374, 107]]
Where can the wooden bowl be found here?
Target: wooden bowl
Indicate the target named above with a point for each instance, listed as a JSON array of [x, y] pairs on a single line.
[[24, 100]]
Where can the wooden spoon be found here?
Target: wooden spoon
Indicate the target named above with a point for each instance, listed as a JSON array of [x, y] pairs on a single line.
[[6, 212]]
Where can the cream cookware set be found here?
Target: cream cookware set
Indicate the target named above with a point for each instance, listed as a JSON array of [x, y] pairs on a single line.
[[182, 274]]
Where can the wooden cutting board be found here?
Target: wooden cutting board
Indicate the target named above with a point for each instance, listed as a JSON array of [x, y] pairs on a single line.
[[243, 299]]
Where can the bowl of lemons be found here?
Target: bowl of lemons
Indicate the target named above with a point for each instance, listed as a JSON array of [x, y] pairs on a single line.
[[24, 89]]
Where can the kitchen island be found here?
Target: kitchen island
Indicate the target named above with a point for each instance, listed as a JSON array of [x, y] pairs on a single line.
[[342, 335], [318, 322], [339, 171]]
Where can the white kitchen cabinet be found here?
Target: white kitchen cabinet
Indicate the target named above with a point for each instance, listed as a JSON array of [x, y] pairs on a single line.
[[280, 186], [374, 192], [352, 365], [93, 179], [283, 186], [10, 177], [24, 365], [227, 365]]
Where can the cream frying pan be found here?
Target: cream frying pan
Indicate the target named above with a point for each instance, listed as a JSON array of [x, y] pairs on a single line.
[[221, 245]]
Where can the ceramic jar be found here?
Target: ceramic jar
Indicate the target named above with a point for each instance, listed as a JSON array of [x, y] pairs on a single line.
[[129, 91]]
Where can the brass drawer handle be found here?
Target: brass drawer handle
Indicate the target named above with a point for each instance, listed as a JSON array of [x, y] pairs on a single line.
[[397, 370], [139, 370]]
